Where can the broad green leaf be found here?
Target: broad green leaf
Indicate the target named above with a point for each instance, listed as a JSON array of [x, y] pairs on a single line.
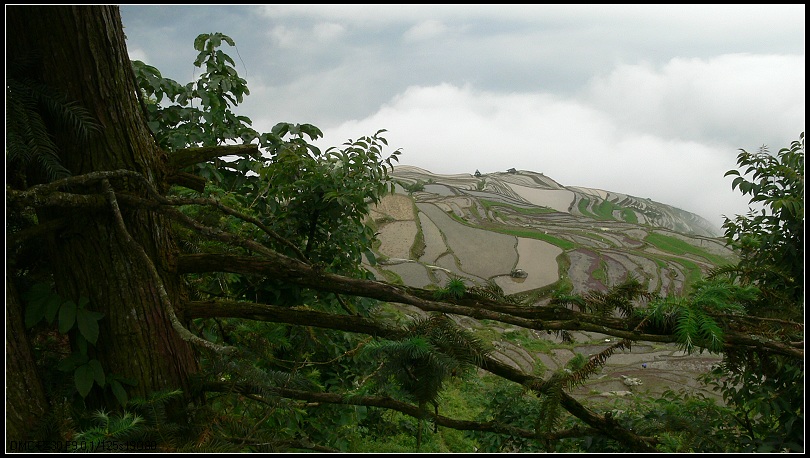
[[88, 324], [42, 302], [98, 371], [371, 258], [83, 377], [119, 392], [71, 362], [67, 316]]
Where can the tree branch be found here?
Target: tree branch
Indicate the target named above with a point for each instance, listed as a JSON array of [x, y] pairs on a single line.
[[185, 334], [366, 326], [296, 272], [190, 156], [399, 406], [187, 180]]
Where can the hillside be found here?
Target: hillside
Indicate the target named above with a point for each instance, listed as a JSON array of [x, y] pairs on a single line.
[[526, 232], [531, 236]]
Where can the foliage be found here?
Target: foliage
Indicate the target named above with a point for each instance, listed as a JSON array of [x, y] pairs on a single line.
[[109, 428], [310, 204], [510, 404], [771, 241], [767, 391], [75, 318], [211, 122], [678, 420], [295, 384], [620, 298], [35, 113], [433, 349], [693, 319], [454, 288]]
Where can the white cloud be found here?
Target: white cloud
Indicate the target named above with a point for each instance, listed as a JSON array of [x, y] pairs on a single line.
[[138, 54], [744, 98], [449, 129], [328, 31], [648, 100], [425, 30], [305, 37]]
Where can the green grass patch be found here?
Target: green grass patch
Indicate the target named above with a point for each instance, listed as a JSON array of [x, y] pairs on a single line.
[[490, 204], [600, 273], [523, 232], [583, 208], [677, 246], [629, 216], [694, 273], [604, 210]]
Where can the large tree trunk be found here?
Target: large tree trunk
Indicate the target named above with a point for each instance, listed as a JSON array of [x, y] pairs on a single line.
[[81, 52], [25, 398]]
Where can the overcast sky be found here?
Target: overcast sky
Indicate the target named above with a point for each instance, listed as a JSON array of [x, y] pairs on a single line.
[[653, 101]]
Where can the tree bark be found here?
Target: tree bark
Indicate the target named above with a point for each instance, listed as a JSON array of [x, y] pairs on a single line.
[[25, 397], [81, 52]]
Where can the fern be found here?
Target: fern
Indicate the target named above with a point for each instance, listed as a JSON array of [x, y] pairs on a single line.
[[34, 113], [550, 416], [580, 369], [491, 290], [433, 349], [693, 319], [455, 289], [619, 298]]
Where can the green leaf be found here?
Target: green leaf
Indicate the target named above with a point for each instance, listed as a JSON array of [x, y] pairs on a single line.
[[88, 324], [98, 371], [67, 316], [199, 42], [81, 343], [371, 258], [42, 303], [71, 362], [83, 377], [119, 392]]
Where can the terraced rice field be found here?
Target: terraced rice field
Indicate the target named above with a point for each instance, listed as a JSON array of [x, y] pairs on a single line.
[[482, 228]]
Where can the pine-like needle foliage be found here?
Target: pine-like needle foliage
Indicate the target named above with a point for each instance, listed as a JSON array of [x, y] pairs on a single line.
[[433, 349], [111, 427], [618, 299], [692, 317], [491, 290]]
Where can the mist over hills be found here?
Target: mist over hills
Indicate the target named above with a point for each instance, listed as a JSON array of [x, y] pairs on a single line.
[[525, 232]]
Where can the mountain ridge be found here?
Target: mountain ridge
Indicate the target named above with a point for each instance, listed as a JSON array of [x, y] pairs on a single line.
[[483, 228], [675, 218]]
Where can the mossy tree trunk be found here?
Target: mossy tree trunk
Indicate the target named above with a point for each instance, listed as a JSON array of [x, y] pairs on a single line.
[[25, 397], [80, 51]]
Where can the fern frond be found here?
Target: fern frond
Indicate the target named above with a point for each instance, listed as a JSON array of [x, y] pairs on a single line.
[[491, 290], [619, 298], [569, 300], [433, 348], [33, 111], [592, 365], [551, 409]]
